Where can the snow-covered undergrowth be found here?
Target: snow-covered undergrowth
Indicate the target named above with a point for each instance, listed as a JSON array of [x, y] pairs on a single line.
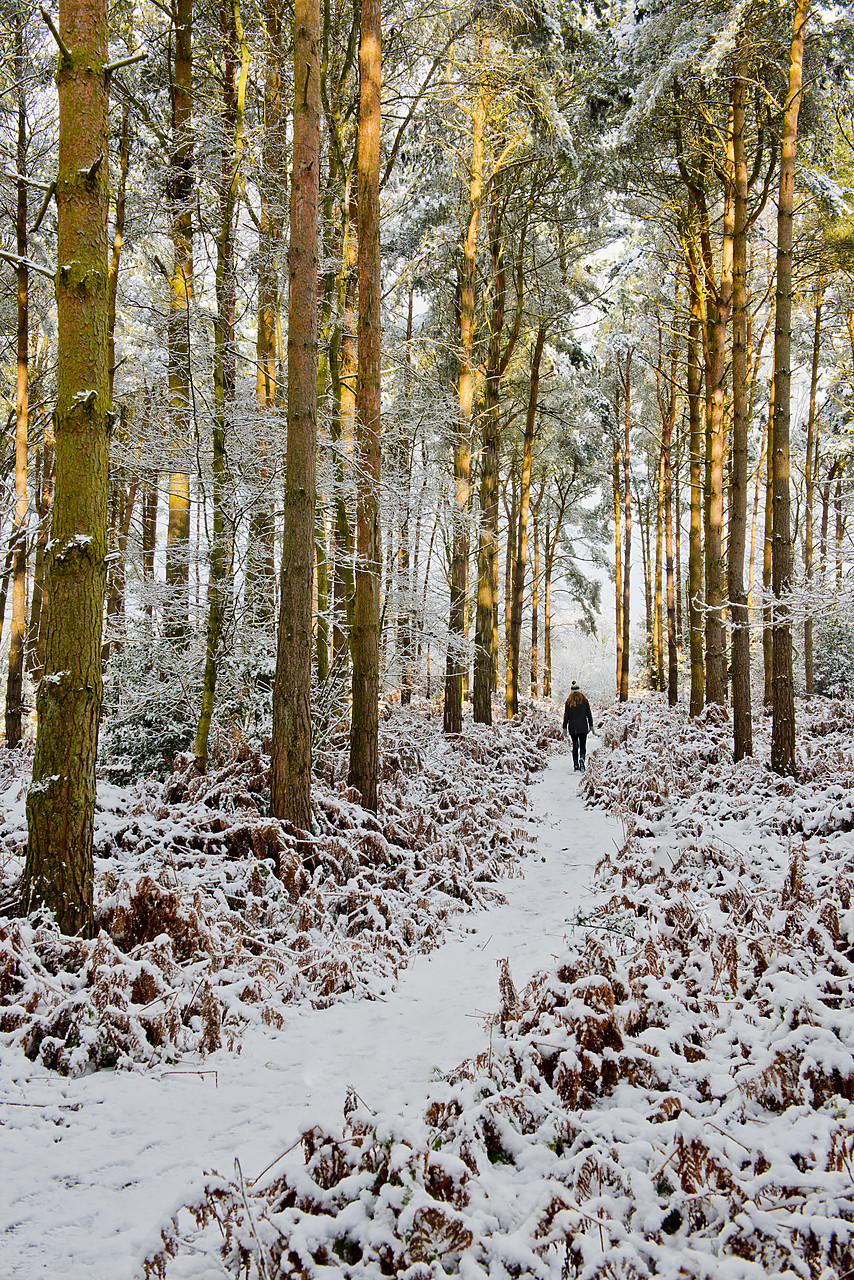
[[213, 915], [673, 1099]]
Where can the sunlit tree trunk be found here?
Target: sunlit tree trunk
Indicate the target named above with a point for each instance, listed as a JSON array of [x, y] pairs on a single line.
[[497, 359], [719, 306], [17, 634], [61, 801], [455, 665], [364, 725], [783, 705], [44, 498]]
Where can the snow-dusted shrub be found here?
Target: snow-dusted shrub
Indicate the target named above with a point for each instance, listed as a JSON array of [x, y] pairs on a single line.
[[833, 656], [151, 693]]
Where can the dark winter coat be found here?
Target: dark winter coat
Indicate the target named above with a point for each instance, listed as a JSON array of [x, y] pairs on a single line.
[[577, 719]]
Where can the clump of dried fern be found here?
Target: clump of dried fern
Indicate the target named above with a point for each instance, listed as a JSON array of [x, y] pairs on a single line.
[[673, 1099], [213, 915]]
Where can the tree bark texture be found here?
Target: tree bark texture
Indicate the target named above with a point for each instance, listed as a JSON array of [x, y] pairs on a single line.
[[61, 801], [783, 704], [290, 755], [17, 633], [455, 664], [627, 526], [364, 726], [180, 192], [696, 467], [618, 560], [810, 472], [497, 360], [658, 573], [719, 305], [44, 498], [521, 557], [260, 594], [739, 615], [222, 536]]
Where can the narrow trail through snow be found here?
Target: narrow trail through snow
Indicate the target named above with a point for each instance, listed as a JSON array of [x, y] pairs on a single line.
[[90, 1167]]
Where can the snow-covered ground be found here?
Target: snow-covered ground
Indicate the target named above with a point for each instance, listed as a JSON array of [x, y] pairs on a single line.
[[91, 1167]]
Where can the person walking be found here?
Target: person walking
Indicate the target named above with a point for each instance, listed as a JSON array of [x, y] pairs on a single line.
[[577, 721]]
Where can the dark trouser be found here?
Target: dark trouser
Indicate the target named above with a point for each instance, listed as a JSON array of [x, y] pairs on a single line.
[[579, 748]]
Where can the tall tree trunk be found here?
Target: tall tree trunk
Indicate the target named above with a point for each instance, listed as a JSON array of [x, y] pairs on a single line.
[[739, 614], [767, 611], [618, 560], [627, 512], [219, 570], [677, 526], [364, 725], [404, 592], [695, 543], [116, 580], [547, 618], [321, 571], [290, 755], [344, 370], [667, 466], [658, 573], [119, 495], [485, 658], [118, 237], [535, 594], [149, 535], [810, 471], [497, 359], [644, 523], [260, 585], [761, 468], [61, 802], [509, 559], [38, 610], [716, 347], [17, 635], [783, 706], [455, 665], [521, 558], [180, 294]]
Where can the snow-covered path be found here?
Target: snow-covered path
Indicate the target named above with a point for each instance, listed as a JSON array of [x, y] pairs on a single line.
[[89, 1167]]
